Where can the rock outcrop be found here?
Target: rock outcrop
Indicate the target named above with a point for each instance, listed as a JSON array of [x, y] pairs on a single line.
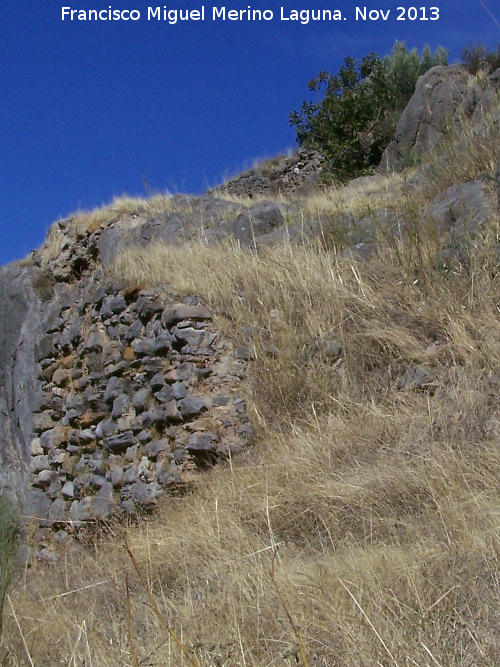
[[443, 95], [498, 179], [22, 320]]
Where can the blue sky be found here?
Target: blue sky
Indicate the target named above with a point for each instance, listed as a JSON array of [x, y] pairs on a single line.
[[88, 106]]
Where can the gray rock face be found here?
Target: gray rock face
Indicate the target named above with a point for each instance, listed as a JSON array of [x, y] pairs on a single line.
[[208, 219], [262, 218], [180, 223], [441, 95], [463, 208], [24, 320], [460, 213]]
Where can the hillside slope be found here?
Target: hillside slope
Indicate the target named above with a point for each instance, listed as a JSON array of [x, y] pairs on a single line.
[[230, 385]]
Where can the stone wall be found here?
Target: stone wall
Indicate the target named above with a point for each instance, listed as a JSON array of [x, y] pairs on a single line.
[[111, 397], [297, 173], [139, 393]]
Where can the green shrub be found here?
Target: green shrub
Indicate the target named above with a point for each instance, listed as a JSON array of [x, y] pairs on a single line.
[[478, 57], [354, 122]]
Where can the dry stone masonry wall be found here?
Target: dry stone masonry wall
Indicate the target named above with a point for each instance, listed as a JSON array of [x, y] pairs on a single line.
[[138, 394], [296, 173]]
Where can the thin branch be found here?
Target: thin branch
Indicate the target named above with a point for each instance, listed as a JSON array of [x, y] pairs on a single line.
[[494, 19], [365, 615], [129, 626], [20, 631], [161, 618]]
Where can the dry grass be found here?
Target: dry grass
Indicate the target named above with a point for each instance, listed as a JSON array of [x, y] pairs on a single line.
[[468, 151], [383, 505], [84, 221], [358, 197], [81, 223]]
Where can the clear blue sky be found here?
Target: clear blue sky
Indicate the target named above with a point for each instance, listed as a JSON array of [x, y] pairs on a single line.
[[89, 105]]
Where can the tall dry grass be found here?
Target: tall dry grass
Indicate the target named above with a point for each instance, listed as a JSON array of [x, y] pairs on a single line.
[[381, 505], [467, 151], [384, 504]]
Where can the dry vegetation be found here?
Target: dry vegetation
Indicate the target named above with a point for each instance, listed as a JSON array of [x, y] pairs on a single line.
[[383, 505], [80, 223]]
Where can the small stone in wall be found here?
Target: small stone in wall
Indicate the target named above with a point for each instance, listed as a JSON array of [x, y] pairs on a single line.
[[152, 449], [120, 405], [68, 490], [80, 510], [106, 428], [120, 442], [43, 421], [179, 312], [157, 381], [35, 447], [140, 398], [103, 504], [179, 390], [39, 463], [128, 353], [116, 476], [192, 406], [61, 377]]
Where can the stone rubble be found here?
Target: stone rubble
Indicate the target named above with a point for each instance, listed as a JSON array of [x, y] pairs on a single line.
[[137, 396]]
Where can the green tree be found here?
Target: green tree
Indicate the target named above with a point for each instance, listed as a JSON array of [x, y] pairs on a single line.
[[403, 67], [355, 120], [478, 57]]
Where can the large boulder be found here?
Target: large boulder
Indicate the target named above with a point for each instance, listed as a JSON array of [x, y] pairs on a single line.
[[443, 95], [462, 209], [187, 216], [460, 213], [262, 218]]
